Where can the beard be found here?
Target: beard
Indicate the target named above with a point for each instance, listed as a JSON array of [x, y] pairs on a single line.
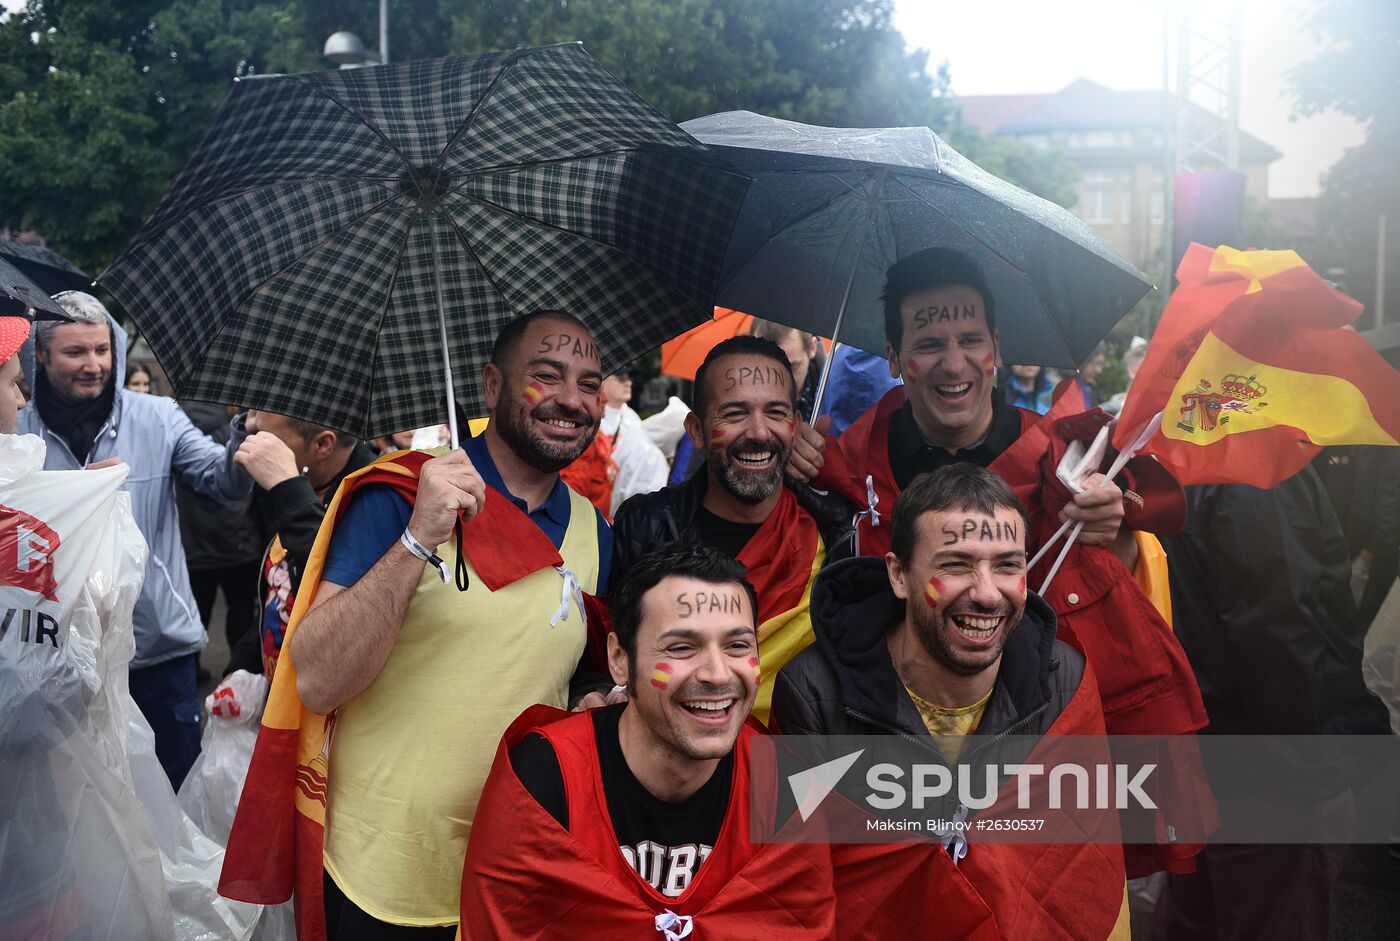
[[748, 486], [935, 632], [513, 423]]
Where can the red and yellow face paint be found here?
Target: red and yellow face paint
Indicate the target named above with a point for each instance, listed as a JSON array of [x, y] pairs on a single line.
[[989, 365], [661, 675], [933, 593], [757, 673], [718, 439], [533, 394], [1022, 586], [911, 369]]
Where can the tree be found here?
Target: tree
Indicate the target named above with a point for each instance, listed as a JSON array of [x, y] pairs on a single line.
[[101, 101], [1359, 75]]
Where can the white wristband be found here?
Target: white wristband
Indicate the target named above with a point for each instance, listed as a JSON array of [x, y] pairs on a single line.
[[423, 552]]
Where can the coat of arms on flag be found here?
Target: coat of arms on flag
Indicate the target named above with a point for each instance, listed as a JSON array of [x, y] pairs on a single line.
[[1254, 369]]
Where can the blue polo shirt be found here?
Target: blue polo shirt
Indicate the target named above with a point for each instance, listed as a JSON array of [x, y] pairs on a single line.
[[377, 517]]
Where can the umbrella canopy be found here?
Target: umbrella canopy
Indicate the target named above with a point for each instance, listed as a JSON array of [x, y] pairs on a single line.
[[832, 208], [298, 261], [21, 297], [45, 267], [682, 356]]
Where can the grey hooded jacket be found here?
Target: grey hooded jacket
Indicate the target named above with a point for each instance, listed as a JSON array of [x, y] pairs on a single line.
[[152, 435]]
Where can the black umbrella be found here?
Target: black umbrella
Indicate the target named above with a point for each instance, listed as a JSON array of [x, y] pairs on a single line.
[[336, 235], [45, 267], [21, 297], [832, 208]]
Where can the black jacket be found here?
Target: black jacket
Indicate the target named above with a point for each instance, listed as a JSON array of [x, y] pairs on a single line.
[[292, 512], [216, 534], [649, 521], [846, 684], [1262, 604]]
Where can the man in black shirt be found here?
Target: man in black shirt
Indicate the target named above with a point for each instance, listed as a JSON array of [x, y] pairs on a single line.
[[682, 643], [745, 421], [637, 814]]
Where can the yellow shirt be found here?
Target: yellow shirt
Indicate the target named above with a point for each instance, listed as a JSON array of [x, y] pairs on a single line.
[[409, 755], [950, 726]]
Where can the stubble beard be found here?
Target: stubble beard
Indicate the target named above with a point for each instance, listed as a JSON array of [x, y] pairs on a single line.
[[512, 424]]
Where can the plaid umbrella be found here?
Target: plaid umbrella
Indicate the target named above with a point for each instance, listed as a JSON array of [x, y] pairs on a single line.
[[336, 232]]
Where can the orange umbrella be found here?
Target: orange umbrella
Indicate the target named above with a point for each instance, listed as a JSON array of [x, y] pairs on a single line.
[[683, 355]]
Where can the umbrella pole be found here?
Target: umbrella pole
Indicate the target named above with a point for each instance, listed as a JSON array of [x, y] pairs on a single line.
[[846, 297], [446, 353]]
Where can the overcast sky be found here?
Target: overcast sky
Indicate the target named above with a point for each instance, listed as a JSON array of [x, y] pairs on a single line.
[[1012, 46]]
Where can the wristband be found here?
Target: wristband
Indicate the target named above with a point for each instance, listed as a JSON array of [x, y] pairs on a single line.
[[423, 552]]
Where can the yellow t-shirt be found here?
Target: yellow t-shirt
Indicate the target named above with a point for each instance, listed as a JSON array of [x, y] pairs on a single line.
[[409, 755], [950, 726]]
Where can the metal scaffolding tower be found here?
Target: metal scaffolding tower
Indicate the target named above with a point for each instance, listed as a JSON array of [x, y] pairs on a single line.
[[1208, 86], [1206, 119]]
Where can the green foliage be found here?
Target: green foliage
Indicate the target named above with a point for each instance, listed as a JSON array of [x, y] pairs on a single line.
[[101, 101], [1358, 73], [1049, 174], [838, 62]]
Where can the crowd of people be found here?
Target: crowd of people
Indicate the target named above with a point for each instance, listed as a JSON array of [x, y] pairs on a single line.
[[513, 684]]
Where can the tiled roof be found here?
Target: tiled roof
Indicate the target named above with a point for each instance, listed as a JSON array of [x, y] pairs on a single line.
[[1086, 105]]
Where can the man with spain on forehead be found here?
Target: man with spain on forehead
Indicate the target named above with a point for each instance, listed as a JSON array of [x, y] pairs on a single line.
[[942, 341], [420, 672], [634, 818], [745, 422]]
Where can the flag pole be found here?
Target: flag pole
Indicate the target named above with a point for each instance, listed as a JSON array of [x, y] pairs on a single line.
[[1145, 433]]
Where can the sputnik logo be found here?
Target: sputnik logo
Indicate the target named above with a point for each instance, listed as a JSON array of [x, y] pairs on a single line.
[[27, 546]]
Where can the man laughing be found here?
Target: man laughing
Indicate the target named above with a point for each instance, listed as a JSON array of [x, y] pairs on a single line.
[[634, 820], [940, 642], [745, 422]]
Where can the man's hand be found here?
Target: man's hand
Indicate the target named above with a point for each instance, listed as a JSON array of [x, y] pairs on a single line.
[[1100, 508], [447, 485], [267, 459], [808, 446], [109, 462]]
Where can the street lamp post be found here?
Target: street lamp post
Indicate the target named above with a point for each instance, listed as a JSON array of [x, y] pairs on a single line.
[[347, 50]]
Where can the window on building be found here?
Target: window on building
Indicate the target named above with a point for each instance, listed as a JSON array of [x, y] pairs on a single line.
[[1096, 205], [1098, 139], [1157, 207]]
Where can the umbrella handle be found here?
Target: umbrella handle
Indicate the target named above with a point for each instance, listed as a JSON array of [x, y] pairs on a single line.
[[446, 363], [846, 295]]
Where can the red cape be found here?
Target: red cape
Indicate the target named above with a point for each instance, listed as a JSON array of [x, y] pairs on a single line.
[[1146, 683]]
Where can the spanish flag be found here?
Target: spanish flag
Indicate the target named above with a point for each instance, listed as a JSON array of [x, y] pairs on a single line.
[[783, 559], [278, 831], [1254, 373]]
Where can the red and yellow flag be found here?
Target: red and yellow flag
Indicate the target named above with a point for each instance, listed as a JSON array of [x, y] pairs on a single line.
[[1253, 372]]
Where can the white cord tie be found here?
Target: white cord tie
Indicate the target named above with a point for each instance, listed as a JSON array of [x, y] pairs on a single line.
[[872, 500], [954, 837], [572, 589], [674, 926]]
